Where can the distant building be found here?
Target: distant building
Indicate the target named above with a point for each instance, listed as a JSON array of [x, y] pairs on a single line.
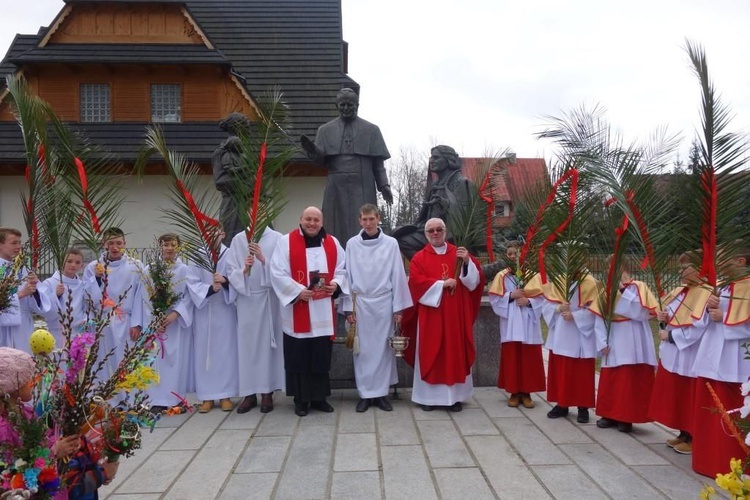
[[510, 179]]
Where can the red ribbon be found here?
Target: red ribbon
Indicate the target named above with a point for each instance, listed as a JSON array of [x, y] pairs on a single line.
[[488, 222], [85, 190], [256, 193], [203, 221], [708, 266], [619, 233], [571, 174], [650, 258]]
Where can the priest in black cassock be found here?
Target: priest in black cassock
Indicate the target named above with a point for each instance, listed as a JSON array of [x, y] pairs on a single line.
[[307, 273]]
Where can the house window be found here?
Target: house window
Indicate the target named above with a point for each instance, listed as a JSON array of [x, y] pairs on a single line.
[[95, 102], [166, 103], [502, 209]]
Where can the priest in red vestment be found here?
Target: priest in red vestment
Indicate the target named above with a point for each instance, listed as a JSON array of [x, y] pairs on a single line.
[[442, 333]]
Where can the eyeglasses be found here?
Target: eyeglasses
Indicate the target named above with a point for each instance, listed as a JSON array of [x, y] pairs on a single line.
[[434, 230]]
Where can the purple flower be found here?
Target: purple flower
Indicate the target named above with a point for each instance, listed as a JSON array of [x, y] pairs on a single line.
[[78, 351]]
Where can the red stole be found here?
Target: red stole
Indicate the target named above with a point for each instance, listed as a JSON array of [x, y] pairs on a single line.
[[298, 265], [446, 334]]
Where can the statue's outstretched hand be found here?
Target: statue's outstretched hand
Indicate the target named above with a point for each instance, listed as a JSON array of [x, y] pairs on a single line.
[[308, 145], [387, 194]]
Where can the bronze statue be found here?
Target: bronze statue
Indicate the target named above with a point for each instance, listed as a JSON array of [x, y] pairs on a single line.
[[450, 189], [225, 161], [354, 152]]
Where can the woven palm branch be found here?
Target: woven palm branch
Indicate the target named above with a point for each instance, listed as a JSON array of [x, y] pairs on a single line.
[[716, 199], [193, 208], [265, 150]]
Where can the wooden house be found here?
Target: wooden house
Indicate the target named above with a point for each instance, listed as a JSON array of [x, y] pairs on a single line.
[[110, 68]]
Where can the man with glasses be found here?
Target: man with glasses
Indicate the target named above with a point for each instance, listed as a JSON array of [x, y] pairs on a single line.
[[446, 285]]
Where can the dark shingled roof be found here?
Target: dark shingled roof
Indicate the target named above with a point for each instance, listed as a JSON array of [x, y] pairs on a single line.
[[296, 44], [196, 140], [121, 53]]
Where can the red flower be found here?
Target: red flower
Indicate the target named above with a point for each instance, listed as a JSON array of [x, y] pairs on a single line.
[[46, 475]]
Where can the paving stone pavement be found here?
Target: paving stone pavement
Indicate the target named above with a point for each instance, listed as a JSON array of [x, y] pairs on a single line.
[[486, 451]]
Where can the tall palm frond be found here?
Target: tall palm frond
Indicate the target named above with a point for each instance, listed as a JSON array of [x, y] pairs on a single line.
[[63, 202], [193, 209], [32, 115], [93, 179], [469, 221], [265, 151], [717, 197], [626, 175]]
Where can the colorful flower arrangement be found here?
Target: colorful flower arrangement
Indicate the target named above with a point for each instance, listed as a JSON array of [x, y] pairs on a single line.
[[11, 278], [26, 463]]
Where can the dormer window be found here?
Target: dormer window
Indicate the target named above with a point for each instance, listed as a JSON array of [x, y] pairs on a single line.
[[502, 209], [166, 103], [95, 103]]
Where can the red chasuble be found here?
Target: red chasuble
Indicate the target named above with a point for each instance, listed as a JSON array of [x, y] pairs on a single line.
[[446, 333]]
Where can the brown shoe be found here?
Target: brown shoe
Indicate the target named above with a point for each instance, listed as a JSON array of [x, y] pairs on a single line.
[[514, 400], [206, 407], [678, 440], [247, 404], [226, 404], [527, 401], [266, 403], [684, 448]]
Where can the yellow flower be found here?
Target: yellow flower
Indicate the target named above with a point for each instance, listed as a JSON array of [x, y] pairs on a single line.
[[140, 378], [707, 492]]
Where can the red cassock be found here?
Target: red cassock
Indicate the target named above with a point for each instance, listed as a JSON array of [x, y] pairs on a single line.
[[446, 333], [713, 444]]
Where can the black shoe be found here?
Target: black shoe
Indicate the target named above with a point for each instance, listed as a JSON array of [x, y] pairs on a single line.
[[247, 404], [557, 411], [583, 415], [456, 407], [300, 409], [606, 423], [624, 427], [427, 407], [321, 406], [383, 404], [363, 405], [266, 403]]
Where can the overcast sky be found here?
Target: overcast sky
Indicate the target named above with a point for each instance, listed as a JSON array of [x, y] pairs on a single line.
[[482, 75]]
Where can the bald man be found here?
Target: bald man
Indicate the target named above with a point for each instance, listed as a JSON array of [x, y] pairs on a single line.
[[307, 274]]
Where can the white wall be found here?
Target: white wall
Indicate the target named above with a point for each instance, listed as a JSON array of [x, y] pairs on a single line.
[[145, 200]]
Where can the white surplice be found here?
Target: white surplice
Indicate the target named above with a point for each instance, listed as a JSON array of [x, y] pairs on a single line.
[[440, 394], [174, 359], [123, 278], [517, 324], [631, 342], [17, 323], [375, 274], [214, 333], [287, 289], [721, 354], [259, 342], [574, 339], [679, 356], [81, 291]]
